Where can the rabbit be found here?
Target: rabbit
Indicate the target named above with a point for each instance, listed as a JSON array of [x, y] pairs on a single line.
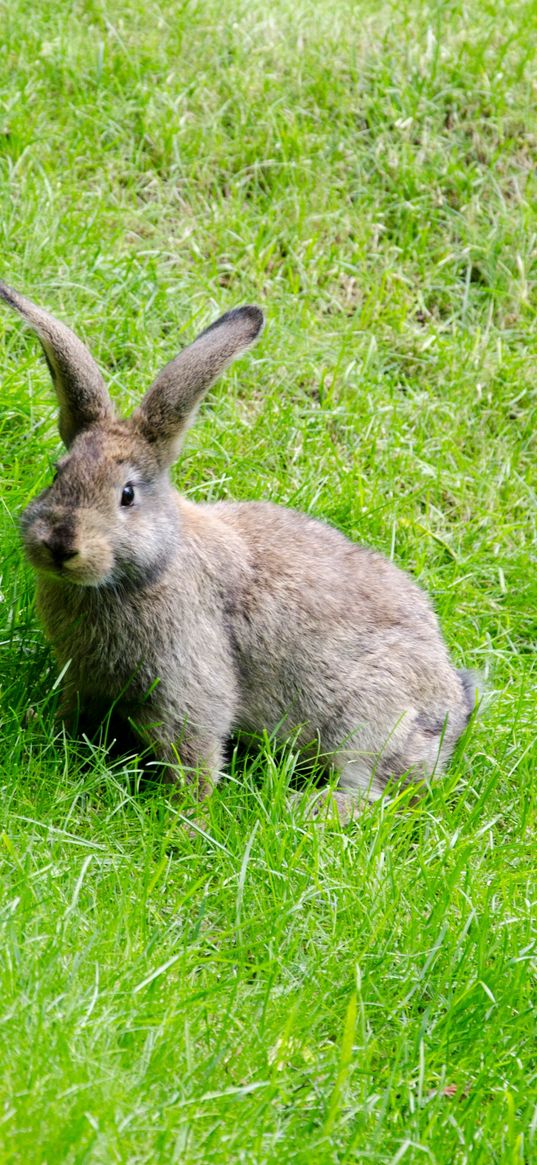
[[197, 620]]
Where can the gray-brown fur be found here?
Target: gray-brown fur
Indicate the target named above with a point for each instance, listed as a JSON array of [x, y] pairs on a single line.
[[165, 414], [81, 391], [198, 620]]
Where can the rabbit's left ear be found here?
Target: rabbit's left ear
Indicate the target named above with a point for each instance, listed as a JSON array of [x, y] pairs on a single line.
[[170, 405], [80, 388]]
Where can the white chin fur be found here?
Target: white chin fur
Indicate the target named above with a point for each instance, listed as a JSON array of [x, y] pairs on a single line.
[[80, 579]]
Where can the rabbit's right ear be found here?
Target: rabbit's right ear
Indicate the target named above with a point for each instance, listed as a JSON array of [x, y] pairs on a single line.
[[171, 403], [80, 388]]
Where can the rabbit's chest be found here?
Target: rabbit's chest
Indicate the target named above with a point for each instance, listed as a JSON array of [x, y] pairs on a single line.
[[107, 645]]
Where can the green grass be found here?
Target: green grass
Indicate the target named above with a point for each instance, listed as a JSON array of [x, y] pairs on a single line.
[[277, 991]]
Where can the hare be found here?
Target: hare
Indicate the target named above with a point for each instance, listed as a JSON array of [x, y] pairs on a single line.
[[198, 620]]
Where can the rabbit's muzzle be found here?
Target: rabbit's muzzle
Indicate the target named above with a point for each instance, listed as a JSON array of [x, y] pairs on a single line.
[[74, 551]]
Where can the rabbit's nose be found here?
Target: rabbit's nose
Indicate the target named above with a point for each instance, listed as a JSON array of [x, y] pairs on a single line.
[[60, 547]]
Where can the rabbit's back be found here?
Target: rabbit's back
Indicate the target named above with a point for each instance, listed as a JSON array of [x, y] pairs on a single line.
[[334, 639]]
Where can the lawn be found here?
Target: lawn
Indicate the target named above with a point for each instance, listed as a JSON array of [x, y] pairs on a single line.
[[275, 990]]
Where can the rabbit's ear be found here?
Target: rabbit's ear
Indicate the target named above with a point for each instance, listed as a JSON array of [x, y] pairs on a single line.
[[80, 388], [170, 405]]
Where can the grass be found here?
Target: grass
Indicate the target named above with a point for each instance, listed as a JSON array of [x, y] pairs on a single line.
[[276, 991]]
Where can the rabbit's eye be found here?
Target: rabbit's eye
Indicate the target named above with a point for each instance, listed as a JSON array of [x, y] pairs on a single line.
[[127, 496]]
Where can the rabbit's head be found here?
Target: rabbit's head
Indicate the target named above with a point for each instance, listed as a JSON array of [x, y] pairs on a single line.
[[110, 516]]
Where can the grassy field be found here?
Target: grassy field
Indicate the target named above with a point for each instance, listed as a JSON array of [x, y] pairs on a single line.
[[276, 991]]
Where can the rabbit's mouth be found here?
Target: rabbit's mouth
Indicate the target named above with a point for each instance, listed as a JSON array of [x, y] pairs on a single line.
[[73, 572], [53, 551]]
